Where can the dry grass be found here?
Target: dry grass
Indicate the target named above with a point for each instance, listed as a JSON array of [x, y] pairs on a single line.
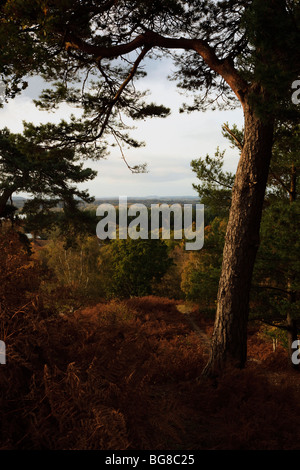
[[127, 375], [123, 375]]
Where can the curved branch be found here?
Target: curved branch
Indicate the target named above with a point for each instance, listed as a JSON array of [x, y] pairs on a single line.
[[225, 68], [121, 89], [279, 180], [238, 142], [102, 52]]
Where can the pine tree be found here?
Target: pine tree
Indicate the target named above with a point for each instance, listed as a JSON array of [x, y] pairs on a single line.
[[48, 175], [136, 265], [241, 52], [275, 285]]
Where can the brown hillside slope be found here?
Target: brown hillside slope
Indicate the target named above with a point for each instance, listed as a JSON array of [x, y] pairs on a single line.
[[127, 375]]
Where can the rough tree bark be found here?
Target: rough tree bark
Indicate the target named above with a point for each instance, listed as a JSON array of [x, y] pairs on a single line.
[[229, 342]]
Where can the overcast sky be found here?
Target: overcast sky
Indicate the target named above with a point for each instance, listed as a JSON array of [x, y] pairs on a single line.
[[171, 143]]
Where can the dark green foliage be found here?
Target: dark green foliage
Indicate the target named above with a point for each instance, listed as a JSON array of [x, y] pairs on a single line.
[[284, 170], [276, 283], [136, 264], [48, 174], [275, 287], [68, 218], [216, 185], [276, 276], [202, 272], [272, 29], [84, 49]]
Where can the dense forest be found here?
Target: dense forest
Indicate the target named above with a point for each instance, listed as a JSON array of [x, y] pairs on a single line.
[[139, 343]]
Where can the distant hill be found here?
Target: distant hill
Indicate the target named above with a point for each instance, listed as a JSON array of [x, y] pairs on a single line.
[[19, 201], [146, 200]]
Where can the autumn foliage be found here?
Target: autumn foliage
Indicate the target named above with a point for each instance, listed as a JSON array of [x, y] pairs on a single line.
[[127, 375], [119, 376]]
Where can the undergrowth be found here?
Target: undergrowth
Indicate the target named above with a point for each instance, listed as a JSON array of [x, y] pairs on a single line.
[[127, 375]]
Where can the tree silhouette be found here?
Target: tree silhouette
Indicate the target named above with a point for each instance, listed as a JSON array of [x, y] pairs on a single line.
[[47, 174]]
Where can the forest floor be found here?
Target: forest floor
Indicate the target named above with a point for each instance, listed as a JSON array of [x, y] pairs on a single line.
[[262, 356], [124, 375]]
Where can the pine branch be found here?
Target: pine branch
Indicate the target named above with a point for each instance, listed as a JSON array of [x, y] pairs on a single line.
[[121, 89], [225, 68], [239, 143]]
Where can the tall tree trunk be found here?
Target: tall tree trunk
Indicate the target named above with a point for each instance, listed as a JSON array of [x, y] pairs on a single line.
[[229, 342]]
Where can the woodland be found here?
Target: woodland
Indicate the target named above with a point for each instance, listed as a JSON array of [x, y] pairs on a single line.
[[141, 344]]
